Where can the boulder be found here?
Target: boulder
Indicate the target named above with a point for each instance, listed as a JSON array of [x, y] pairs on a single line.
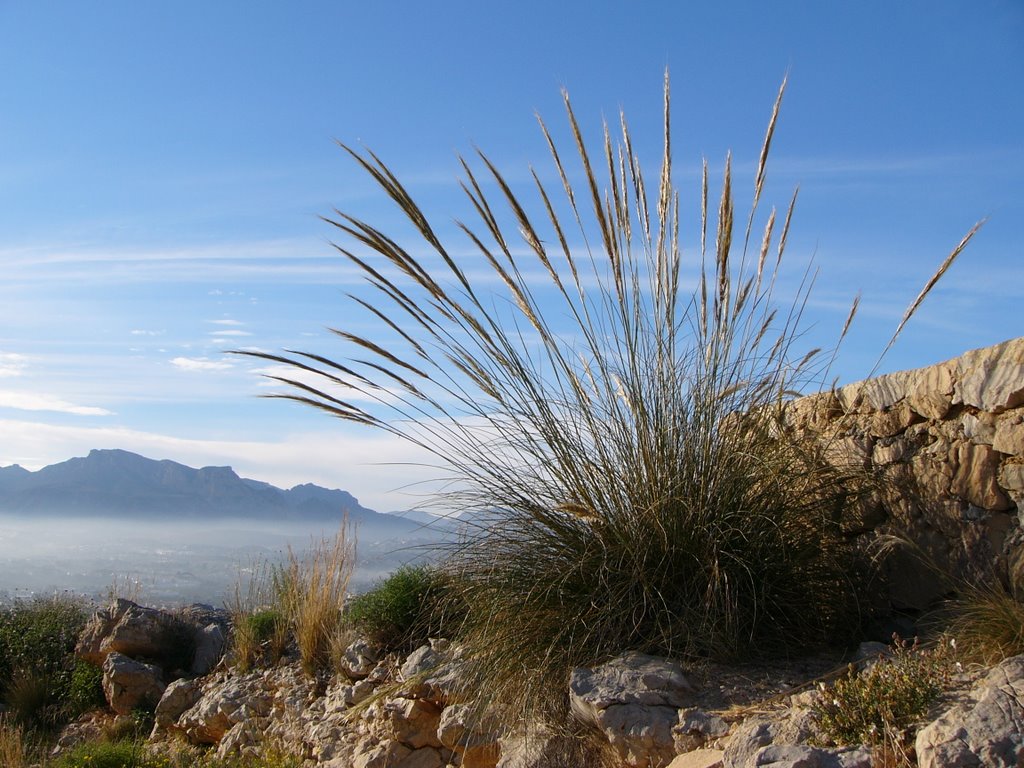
[[359, 659], [419, 662], [225, 702], [413, 722], [994, 383], [139, 633], [747, 740], [210, 642], [985, 731], [537, 747], [122, 627], [179, 696], [699, 758], [465, 731], [696, 729], [634, 700], [633, 678], [384, 754], [130, 684], [802, 756]]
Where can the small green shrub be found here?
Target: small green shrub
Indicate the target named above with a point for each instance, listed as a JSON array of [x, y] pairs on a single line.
[[39, 635], [264, 625], [108, 754], [880, 705], [405, 609], [86, 689]]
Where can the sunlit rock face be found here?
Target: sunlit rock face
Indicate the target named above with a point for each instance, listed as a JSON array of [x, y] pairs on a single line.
[[947, 443]]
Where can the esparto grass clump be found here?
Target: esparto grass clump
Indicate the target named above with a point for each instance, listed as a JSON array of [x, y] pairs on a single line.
[[609, 408]]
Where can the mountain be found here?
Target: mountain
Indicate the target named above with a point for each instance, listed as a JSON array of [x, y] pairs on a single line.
[[115, 483]]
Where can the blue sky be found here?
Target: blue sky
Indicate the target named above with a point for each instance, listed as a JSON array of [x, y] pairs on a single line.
[[163, 167]]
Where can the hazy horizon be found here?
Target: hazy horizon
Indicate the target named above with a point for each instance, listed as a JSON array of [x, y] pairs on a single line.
[[171, 561]]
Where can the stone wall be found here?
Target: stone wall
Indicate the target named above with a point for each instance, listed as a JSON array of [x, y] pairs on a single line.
[[947, 444]]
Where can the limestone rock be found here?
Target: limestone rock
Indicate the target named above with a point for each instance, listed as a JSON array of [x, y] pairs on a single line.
[[1011, 477], [1009, 434], [210, 642], [359, 659], [995, 383], [802, 756], [413, 722], [975, 477], [539, 747], [179, 696], [883, 392], [468, 733], [746, 740], [696, 729], [420, 661], [893, 421], [126, 628], [633, 678], [130, 684], [225, 702], [931, 393], [699, 758], [385, 754], [988, 731], [979, 428], [641, 735]]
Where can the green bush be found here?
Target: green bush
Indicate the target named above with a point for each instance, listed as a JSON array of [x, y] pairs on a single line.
[[37, 642], [402, 611], [108, 754], [264, 624], [880, 705], [86, 689]]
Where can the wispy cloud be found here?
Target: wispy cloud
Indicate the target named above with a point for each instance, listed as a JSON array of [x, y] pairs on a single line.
[[29, 401], [225, 321], [232, 332], [282, 261], [12, 364], [200, 364]]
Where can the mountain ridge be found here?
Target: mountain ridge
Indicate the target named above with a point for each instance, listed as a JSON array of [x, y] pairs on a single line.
[[119, 483]]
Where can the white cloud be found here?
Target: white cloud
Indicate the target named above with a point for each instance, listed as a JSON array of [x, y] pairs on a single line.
[[32, 401], [142, 332], [225, 321], [200, 364], [230, 333], [12, 364]]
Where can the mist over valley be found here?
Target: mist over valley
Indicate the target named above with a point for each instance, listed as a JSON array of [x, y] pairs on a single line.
[[175, 533]]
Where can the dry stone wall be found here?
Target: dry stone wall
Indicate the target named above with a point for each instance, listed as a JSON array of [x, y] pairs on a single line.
[[947, 445]]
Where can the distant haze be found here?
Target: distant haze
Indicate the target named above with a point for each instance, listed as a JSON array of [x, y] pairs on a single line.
[[180, 533]]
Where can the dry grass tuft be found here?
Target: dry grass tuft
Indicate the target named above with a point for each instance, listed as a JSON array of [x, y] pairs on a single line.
[[312, 591], [987, 624], [300, 599]]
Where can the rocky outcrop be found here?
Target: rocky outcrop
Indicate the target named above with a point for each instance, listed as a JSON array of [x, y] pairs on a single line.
[[189, 641], [988, 730], [948, 445], [141, 649], [129, 685]]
